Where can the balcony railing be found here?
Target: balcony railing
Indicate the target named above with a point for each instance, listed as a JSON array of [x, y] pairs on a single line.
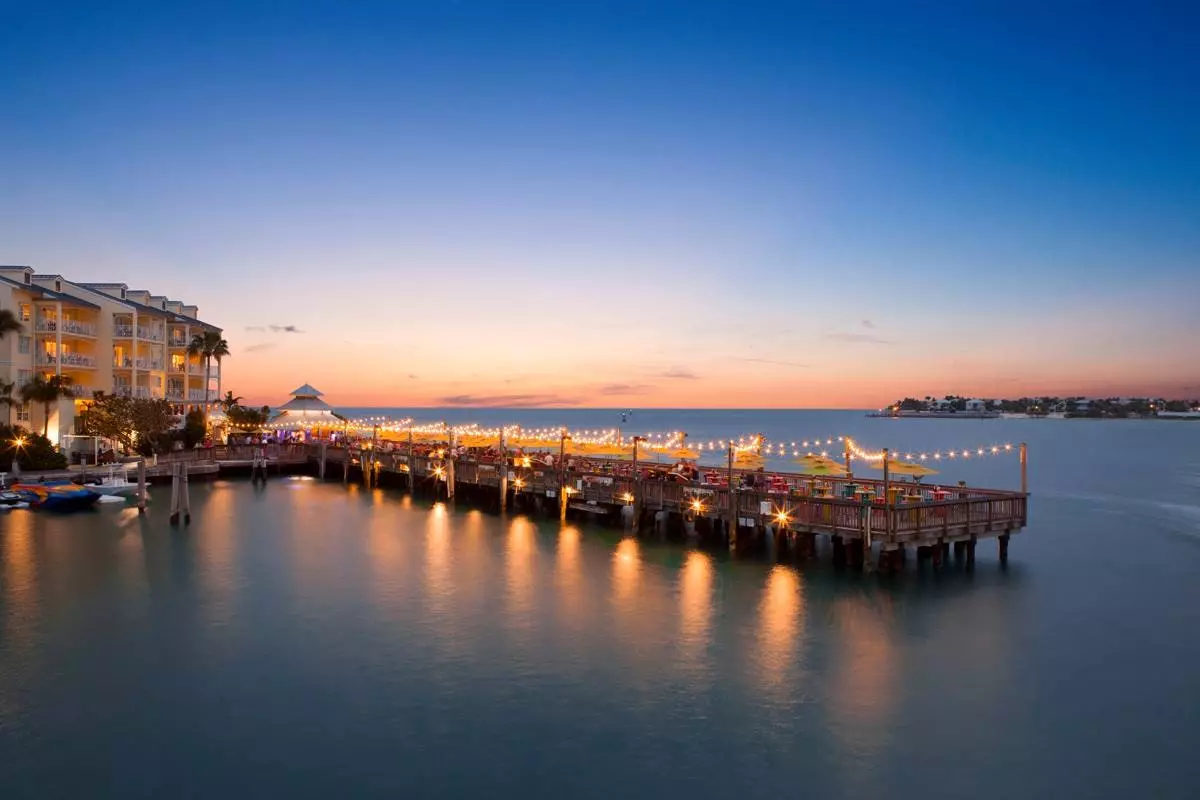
[[176, 395], [149, 335], [176, 367], [65, 360], [147, 364], [178, 339], [66, 326], [196, 395], [144, 392], [122, 331], [195, 369]]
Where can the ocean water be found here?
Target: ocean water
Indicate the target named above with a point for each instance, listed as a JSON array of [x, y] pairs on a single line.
[[311, 640]]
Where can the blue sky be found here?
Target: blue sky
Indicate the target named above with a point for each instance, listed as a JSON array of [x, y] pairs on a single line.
[[795, 204]]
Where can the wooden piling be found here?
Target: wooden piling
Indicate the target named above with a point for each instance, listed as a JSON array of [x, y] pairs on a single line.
[[1024, 468], [324, 446], [731, 502], [411, 479], [503, 473], [1003, 540], [141, 478], [180, 499], [637, 488], [450, 468], [562, 476]]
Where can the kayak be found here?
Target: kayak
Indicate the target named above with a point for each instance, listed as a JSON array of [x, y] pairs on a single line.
[[60, 497]]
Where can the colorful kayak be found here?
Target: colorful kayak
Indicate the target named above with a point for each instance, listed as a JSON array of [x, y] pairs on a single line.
[[60, 497]]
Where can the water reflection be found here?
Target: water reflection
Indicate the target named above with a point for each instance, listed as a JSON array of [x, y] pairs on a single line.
[[780, 621], [864, 682], [520, 548], [626, 574], [439, 582], [568, 576], [695, 611]]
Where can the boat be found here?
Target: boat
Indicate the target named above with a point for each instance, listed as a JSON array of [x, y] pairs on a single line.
[[116, 482], [55, 497], [11, 500]]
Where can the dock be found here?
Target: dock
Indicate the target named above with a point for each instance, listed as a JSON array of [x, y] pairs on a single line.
[[795, 511]]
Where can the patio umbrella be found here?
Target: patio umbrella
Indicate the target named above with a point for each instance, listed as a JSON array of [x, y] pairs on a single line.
[[831, 469], [917, 471], [683, 454]]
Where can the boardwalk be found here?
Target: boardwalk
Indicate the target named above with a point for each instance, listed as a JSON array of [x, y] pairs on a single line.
[[793, 508]]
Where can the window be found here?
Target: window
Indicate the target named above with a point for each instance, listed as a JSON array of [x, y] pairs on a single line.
[[23, 344], [25, 312], [23, 412]]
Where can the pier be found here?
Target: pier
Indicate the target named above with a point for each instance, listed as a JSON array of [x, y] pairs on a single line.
[[867, 523]]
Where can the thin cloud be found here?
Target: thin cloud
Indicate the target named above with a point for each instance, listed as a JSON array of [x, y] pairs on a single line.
[[866, 323], [679, 373], [773, 361], [261, 346], [625, 388], [284, 329], [508, 400], [857, 338], [412, 377], [255, 328]]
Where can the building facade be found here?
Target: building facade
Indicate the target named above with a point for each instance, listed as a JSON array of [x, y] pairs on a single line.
[[104, 337]]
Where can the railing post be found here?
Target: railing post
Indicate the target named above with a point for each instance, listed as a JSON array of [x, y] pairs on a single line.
[[1024, 468], [637, 491], [503, 473]]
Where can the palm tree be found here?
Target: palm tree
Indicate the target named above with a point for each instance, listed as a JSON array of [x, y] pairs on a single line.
[[229, 401], [7, 399], [47, 391], [208, 345], [8, 323]]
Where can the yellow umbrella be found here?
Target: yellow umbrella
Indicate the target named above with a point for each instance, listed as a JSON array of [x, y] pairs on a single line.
[[812, 460], [912, 468], [683, 453], [828, 470]]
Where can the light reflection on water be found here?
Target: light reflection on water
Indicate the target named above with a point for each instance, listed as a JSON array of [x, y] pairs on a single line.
[[414, 633]]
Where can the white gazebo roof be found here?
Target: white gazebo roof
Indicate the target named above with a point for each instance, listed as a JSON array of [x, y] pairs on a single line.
[[307, 390], [306, 406]]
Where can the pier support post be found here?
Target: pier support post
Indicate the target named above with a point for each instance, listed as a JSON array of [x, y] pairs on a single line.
[[1003, 540], [141, 479], [637, 487], [970, 552], [324, 446], [180, 500], [450, 468], [1024, 468], [503, 473], [410, 460]]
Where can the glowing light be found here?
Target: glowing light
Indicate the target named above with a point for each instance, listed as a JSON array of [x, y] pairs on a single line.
[[697, 505]]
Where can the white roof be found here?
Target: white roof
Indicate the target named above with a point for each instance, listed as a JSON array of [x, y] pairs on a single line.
[[307, 390]]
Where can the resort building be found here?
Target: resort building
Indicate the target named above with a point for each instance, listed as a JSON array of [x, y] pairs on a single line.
[[104, 337]]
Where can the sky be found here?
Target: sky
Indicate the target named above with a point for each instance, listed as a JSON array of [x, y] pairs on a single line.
[[674, 204]]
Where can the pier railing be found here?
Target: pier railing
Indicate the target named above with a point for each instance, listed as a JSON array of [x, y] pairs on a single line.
[[912, 514]]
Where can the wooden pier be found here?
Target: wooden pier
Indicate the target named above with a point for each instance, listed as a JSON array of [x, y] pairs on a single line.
[[878, 533]]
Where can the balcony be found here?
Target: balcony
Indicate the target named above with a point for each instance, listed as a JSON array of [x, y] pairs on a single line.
[[196, 369], [175, 395], [196, 395], [149, 335], [68, 327], [121, 331], [142, 392], [178, 341], [74, 360], [144, 364]]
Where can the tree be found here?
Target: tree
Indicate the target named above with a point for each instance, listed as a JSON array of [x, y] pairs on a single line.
[[137, 423], [193, 428], [8, 323], [247, 419], [47, 391], [208, 345], [229, 401], [29, 450], [7, 400]]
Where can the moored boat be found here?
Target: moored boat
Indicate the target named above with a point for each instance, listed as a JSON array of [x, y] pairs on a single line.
[[55, 497]]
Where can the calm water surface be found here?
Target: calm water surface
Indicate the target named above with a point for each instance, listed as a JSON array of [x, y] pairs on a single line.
[[306, 640]]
